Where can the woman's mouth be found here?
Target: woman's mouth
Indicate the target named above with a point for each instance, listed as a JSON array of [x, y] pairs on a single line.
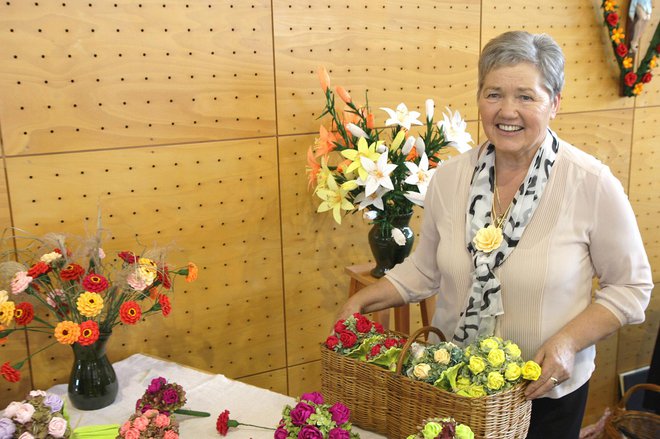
[[509, 128]]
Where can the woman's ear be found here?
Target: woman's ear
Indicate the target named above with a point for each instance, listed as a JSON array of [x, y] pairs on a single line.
[[555, 106]]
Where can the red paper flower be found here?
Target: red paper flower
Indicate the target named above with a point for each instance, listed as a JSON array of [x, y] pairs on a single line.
[[612, 18], [391, 342], [95, 283], [9, 373], [622, 50], [379, 328], [222, 424], [128, 257], [38, 269], [130, 312], [630, 78], [164, 277], [331, 342], [72, 272], [339, 326], [24, 313], [89, 332], [363, 325], [647, 77], [165, 305], [348, 339]]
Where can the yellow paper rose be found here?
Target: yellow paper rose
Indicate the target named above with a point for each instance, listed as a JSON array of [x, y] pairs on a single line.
[[463, 382], [90, 304], [476, 391], [464, 432], [488, 239], [512, 372], [496, 357], [477, 364], [531, 371], [421, 371], [489, 343], [431, 430], [468, 351], [495, 381], [442, 356], [513, 350]]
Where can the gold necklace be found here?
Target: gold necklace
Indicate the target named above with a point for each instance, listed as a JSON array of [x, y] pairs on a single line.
[[498, 220]]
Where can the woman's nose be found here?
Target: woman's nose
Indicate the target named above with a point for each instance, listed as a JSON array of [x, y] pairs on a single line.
[[508, 108]]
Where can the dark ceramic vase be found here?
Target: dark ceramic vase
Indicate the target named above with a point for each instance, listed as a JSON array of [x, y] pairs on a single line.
[[386, 251], [93, 382]]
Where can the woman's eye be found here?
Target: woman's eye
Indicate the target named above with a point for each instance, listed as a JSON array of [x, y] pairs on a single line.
[[526, 98]]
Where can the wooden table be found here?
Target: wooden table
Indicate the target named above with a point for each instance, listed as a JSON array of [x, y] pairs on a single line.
[[361, 277]]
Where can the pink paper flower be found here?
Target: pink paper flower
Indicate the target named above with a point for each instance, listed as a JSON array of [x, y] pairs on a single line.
[[20, 282], [162, 420], [140, 423], [24, 413], [57, 427]]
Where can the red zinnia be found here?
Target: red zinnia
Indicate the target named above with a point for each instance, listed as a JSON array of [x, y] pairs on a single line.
[[89, 332], [165, 305], [647, 77], [130, 312], [38, 269], [630, 78], [24, 313], [72, 272], [612, 18], [128, 257], [9, 373], [95, 283], [622, 50]]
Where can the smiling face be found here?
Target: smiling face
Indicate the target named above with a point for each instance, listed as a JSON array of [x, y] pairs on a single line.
[[516, 109]]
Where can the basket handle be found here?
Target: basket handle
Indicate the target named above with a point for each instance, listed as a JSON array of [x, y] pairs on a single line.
[[414, 336], [633, 389]]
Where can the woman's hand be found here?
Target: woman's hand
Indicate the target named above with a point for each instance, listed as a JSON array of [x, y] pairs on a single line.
[[556, 357]]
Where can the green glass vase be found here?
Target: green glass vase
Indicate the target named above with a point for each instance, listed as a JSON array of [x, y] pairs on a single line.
[[387, 252], [93, 382]]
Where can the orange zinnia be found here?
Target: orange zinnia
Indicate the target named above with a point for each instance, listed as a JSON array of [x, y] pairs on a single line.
[[67, 332]]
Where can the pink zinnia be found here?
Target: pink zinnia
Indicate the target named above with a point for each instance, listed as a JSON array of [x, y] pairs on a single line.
[[20, 282]]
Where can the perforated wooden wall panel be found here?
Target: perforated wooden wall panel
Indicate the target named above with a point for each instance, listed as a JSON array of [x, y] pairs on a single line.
[[213, 203], [188, 123], [644, 183], [96, 74], [396, 50], [591, 78]]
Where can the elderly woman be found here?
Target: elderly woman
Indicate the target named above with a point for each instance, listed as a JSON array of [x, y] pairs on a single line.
[[515, 230]]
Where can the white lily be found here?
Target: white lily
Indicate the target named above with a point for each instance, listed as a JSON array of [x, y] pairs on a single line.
[[402, 116], [355, 130], [378, 174], [370, 215], [398, 236], [430, 105], [420, 146], [420, 174], [407, 147], [416, 197], [375, 199], [454, 128]]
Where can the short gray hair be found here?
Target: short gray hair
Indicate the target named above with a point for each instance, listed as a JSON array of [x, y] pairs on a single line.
[[515, 47]]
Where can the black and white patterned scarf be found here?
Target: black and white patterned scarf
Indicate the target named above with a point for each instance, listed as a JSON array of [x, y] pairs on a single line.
[[484, 303]]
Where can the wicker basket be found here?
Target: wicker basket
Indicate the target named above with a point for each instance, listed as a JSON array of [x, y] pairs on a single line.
[[360, 386], [504, 415], [632, 423]]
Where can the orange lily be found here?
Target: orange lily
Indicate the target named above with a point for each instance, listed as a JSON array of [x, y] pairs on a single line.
[[325, 143], [313, 168], [343, 94], [324, 78]]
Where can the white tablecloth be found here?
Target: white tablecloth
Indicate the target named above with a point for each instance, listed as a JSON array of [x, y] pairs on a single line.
[[204, 392]]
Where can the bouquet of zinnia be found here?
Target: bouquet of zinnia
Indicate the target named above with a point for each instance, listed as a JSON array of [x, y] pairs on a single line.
[[151, 424], [443, 428], [85, 295], [355, 166], [39, 416], [312, 418]]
